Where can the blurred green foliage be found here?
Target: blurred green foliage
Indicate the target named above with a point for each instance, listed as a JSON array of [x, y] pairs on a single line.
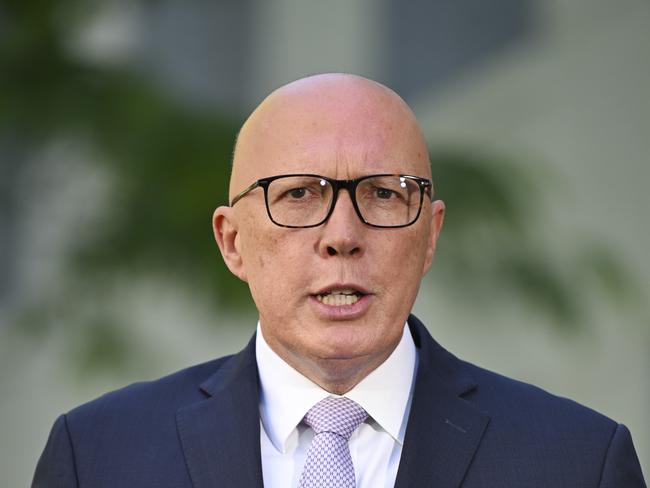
[[171, 167]]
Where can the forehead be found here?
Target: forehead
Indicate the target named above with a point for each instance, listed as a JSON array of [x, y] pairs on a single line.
[[341, 132]]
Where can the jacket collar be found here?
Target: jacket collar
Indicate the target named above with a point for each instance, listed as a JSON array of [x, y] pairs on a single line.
[[444, 429], [221, 434]]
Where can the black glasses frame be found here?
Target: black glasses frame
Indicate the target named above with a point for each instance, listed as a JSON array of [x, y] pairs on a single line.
[[425, 185]]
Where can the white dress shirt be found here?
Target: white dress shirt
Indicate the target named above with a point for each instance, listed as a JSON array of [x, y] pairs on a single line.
[[375, 447]]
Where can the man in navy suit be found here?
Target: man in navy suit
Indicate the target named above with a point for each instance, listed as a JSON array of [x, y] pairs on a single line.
[[333, 223]]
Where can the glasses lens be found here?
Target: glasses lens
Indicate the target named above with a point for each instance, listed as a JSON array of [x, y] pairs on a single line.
[[299, 200], [389, 200]]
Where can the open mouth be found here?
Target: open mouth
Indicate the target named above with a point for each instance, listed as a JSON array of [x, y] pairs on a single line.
[[339, 297]]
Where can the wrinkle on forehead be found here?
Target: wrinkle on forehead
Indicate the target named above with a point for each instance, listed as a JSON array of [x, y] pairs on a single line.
[[329, 116]]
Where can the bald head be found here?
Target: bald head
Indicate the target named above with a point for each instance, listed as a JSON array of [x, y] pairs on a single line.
[[340, 111]]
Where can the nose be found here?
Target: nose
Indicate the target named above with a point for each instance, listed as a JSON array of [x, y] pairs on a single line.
[[342, 234]]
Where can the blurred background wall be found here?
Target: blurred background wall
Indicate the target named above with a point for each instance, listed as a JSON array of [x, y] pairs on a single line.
[[116, 126]]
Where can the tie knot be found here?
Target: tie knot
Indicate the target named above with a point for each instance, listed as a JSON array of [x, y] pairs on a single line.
[[338, 415]]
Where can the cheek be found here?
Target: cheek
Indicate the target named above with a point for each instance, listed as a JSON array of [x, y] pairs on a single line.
[[267, 252], [258, 252], [404, 261], [421, 242], [270, 262], [408, 252]]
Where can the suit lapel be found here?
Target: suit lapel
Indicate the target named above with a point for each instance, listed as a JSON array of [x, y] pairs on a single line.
[[221, 434], [444, 430]]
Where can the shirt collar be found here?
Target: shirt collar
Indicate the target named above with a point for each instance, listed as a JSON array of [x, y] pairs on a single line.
[[286, 395]]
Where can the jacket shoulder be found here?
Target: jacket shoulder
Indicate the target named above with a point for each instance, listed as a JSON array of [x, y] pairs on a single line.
[[500, 395], [507, 400], [169, 393], [557, 439]]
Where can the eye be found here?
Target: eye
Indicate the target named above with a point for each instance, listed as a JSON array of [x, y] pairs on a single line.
[[384, 193], [297, 193]]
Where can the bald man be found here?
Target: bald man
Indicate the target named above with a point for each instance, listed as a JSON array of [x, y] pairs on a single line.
[[333, 223]]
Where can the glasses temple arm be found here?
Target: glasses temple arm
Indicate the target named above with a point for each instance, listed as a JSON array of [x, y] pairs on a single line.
[[243, 193]]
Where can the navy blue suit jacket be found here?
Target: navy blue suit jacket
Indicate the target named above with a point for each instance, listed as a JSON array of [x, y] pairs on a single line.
[[467, 428]]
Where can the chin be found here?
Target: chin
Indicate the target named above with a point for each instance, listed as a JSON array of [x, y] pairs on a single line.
[[342, 349]]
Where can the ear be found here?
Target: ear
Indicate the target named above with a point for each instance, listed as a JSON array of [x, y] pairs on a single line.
[[226, 233], [436, 216]]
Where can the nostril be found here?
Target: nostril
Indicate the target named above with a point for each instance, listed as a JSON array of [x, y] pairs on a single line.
[[331, 251]]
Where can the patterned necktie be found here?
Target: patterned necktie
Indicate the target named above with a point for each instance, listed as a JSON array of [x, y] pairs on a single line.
[[328, 463]]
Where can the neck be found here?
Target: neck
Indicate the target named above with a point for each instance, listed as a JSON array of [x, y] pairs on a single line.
[[337, 376]]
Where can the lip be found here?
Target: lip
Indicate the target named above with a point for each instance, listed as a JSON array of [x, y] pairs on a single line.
[[341, 286], [341, 312]]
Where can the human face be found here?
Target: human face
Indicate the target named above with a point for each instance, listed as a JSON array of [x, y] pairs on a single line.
[[341, 129]]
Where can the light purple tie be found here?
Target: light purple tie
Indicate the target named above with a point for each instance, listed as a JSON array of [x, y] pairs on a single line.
[[329, 464]]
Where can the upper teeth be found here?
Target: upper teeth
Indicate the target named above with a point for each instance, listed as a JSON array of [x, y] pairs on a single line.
[[345, 296]]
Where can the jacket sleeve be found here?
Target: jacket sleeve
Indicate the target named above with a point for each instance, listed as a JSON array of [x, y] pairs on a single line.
[[621, 468], [56, 467]]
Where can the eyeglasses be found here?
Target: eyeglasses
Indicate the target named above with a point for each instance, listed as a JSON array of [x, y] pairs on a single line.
[[307, 200]]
